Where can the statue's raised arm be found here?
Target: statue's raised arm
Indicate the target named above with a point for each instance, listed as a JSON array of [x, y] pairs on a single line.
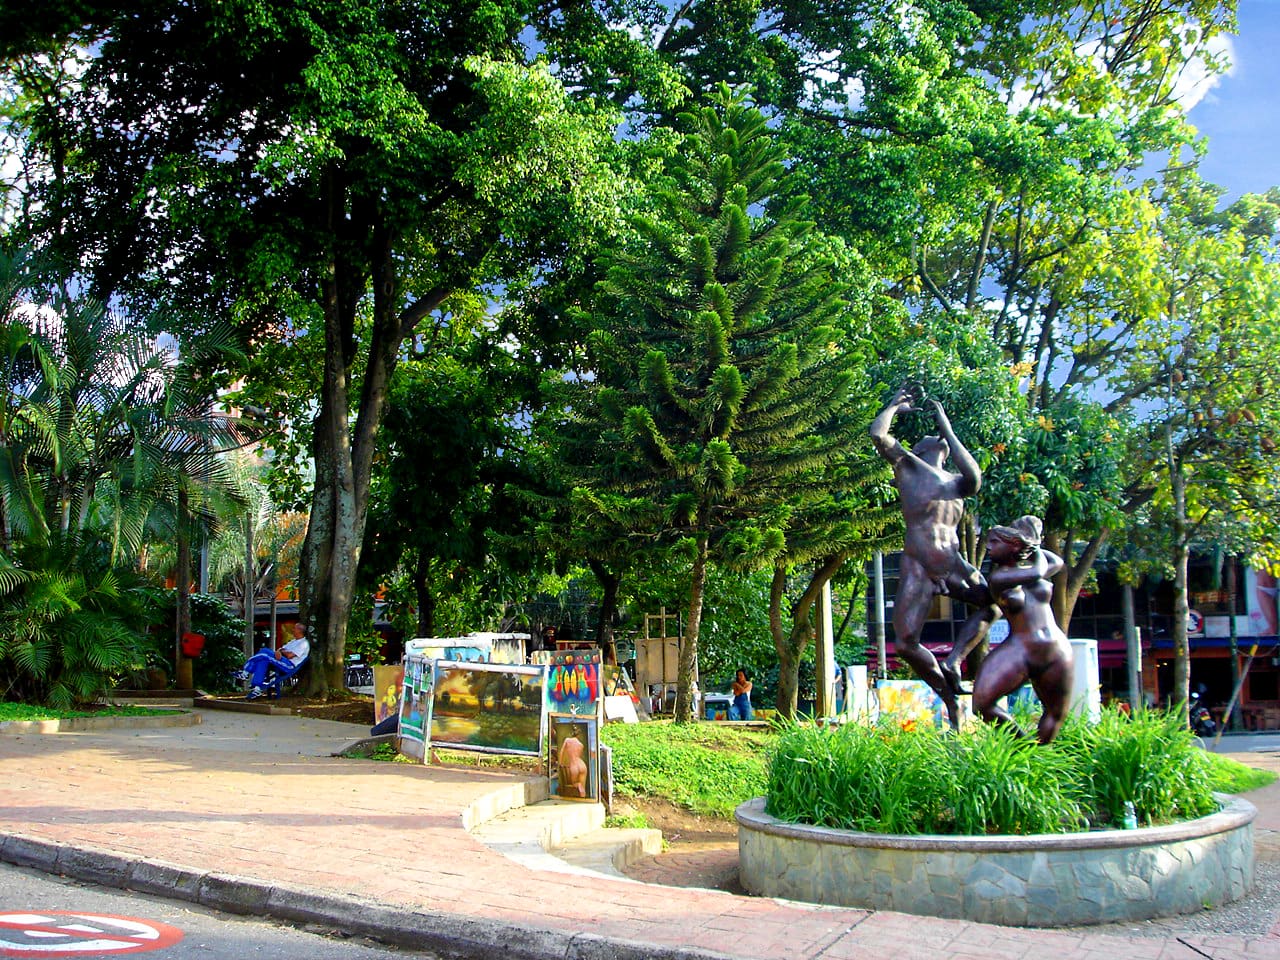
[[885, 443], [966, 465]]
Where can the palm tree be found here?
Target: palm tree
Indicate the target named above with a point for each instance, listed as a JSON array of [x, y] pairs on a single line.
[[100, 425]]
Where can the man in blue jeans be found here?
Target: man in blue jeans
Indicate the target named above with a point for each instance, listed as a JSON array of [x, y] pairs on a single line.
[[287, 659]]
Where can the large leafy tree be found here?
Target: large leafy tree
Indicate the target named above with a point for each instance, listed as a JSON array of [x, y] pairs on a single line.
[[720, 380], [1201, 337], [333, 170], [449, 452], [982, 156]]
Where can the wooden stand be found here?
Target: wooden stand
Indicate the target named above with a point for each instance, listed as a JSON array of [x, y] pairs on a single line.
[[657, 661]]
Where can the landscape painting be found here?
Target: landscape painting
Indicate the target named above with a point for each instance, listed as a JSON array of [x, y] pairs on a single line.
[[491, 707]]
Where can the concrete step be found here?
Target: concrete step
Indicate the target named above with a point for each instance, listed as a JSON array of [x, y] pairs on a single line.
[[263, 706], [610, 850], [185, 703], [564, 836]]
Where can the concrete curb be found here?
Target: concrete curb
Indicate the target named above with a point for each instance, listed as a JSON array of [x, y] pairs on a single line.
[[448, 934], [95, 724], [262, 707]]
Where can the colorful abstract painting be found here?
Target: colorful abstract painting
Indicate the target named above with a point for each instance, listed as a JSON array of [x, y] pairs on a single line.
[[910, 702], [388, 687], [573, 680]]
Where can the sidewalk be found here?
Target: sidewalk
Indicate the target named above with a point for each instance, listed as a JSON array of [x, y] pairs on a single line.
[[250, 814]]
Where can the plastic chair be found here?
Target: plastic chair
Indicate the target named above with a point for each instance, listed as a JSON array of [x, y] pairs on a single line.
[[281, 674]]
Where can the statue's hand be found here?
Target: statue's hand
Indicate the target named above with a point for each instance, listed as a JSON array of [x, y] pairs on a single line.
[[903, 399]]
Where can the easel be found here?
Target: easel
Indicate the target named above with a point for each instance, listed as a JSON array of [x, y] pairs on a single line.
[[658, 658]]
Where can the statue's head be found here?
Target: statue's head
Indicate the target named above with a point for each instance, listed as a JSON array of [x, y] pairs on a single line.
[[932, 450], [1016, 541]]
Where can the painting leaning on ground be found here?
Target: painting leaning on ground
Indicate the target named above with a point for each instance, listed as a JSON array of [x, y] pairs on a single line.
[[487, 706]]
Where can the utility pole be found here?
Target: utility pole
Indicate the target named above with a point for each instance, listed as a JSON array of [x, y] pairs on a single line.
[[882, 666]]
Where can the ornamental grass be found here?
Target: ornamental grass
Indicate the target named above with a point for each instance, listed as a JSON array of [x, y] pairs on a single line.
[[984, 780]]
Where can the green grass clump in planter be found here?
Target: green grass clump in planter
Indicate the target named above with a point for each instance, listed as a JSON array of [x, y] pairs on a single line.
[[983, 780], [1151, 760]]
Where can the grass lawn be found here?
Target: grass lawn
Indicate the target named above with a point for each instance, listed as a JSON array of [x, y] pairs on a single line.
[[1232, 776], [26, 711], [704, 767]]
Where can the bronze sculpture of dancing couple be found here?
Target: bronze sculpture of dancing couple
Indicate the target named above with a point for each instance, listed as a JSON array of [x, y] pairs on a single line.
[[1019, 587]]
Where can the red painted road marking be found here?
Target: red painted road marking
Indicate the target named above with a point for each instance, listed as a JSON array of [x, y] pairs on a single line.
[[48, 934]]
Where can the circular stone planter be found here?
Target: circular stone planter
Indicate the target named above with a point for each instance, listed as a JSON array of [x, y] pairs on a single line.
[[1046, 880]]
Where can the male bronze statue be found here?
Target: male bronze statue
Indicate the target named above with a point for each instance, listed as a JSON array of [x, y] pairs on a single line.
[[931, 565]]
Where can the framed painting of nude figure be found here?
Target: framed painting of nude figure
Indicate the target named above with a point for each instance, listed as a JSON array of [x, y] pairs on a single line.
[[573, 758]]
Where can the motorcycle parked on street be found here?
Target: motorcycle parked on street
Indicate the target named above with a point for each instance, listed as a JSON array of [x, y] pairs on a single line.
[[1202, 722]]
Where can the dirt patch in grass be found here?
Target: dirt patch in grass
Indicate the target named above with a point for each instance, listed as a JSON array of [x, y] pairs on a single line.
[[678, 825]]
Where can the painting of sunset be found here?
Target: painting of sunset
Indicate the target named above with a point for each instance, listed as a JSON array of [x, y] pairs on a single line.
[[492, 707]]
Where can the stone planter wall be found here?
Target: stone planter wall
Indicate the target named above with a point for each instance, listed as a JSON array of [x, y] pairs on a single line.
[[1046, 880]]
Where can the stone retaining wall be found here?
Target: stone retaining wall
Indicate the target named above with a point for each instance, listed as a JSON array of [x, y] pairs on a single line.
[[1045, 880]]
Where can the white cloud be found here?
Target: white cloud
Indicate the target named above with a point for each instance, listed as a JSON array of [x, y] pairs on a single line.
[[1195, 82]]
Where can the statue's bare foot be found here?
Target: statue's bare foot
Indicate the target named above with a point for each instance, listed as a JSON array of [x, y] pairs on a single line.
[[951, 674]]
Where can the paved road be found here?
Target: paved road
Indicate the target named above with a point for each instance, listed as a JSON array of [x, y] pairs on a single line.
[[249, 814], [205, 933]]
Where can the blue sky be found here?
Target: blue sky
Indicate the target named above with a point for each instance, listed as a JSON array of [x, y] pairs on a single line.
[[1241, 114]]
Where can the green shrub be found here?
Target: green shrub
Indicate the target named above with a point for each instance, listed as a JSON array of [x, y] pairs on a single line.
[[223, 652], [984, 780], [71, 624], [1150, 759]]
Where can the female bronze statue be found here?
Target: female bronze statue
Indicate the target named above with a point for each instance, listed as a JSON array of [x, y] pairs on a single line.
[[1036, 648]]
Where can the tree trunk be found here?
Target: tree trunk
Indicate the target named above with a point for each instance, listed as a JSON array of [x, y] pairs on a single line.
[[687, 675], [340, 500], [788, 661], [425, 596], [609, 585], [1180, 694], [183, 677], [791, 644], [313, 565], [1233, 590], [1070, 580], [250, 571], [788, 683]]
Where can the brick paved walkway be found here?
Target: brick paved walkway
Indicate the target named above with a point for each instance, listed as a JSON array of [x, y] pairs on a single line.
[[392, 836]]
